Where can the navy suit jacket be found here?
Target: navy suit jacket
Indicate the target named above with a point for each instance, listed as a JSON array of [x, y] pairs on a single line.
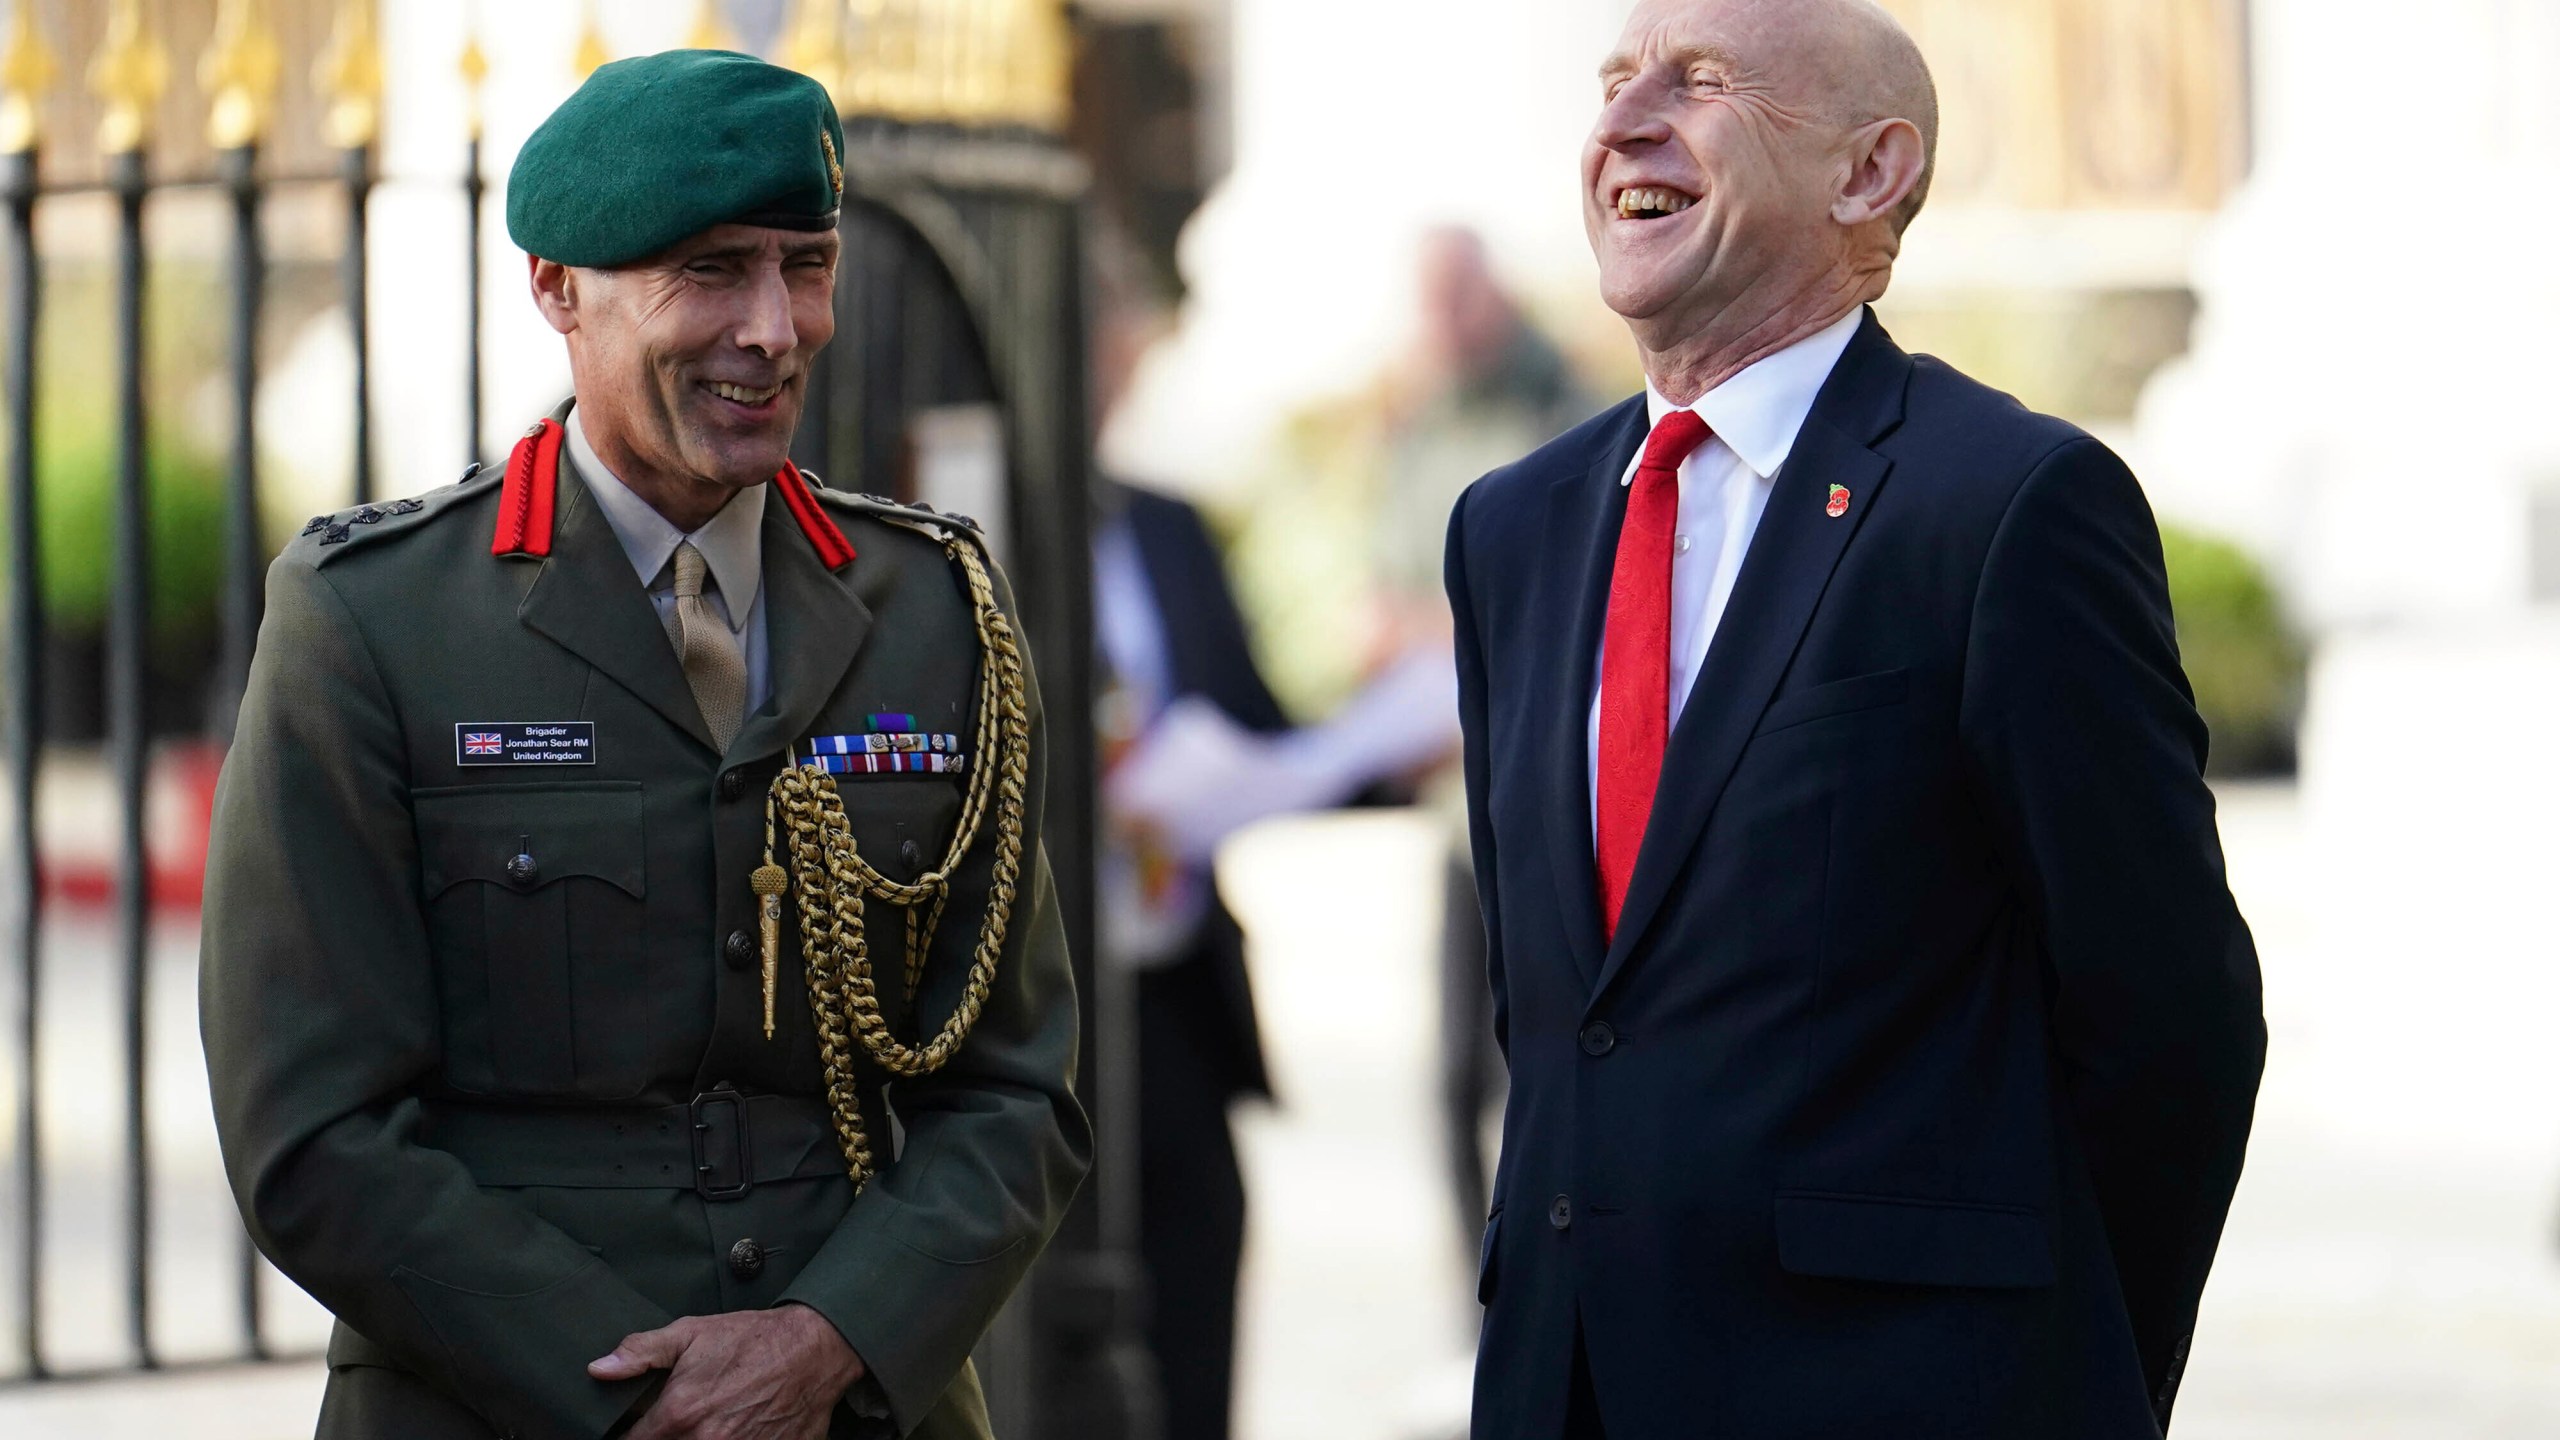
[[1910, 1097]]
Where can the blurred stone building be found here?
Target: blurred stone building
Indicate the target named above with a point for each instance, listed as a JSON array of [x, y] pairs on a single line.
[[2086, 143]]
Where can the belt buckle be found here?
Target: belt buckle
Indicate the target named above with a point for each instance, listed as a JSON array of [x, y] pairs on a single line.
[[712, 1179]]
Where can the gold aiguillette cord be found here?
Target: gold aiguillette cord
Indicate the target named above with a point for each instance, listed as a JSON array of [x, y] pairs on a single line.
[[768, 882]]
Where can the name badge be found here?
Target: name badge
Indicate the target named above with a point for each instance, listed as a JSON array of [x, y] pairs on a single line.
[[544, 742]]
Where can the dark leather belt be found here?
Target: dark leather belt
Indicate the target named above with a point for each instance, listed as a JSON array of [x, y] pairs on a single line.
[[721, 1144]]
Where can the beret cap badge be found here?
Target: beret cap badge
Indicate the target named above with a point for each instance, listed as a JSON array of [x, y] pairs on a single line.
[[835, 168]]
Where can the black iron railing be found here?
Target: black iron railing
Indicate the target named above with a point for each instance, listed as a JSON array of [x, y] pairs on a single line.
[[127, 673], [25, 719]]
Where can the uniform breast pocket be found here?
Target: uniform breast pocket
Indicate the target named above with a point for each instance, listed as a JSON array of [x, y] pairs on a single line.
[[521, 882], [902, 824]]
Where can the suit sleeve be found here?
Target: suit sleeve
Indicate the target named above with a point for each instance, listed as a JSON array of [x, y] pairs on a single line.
[[2079, 718], [319, 1013], [1477, 765], [996, 1143]]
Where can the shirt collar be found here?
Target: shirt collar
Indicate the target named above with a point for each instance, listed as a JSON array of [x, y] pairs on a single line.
[[1760, 411], [731, 542]]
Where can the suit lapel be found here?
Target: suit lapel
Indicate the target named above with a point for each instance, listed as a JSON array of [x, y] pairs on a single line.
[[588, 601], [1584, 513], [815, 625], [1784, 575]]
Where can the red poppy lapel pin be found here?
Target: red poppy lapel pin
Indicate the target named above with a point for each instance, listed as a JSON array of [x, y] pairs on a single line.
[[1839, 505]]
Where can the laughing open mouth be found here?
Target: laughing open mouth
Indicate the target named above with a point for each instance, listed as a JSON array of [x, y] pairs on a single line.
[[1652, 202], [742, 394]]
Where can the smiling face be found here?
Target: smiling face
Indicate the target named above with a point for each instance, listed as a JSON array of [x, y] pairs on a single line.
[[692, 366], [1717, 159]]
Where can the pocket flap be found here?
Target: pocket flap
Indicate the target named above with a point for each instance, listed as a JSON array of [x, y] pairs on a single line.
[[590, 828], [1836, 697], [1913, 1242]]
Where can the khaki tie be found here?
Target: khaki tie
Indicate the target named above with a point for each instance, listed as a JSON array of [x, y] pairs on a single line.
[[714, 665]]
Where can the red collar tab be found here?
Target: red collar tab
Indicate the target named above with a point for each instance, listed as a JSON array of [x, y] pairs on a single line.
[[834, 551], [525, 503]]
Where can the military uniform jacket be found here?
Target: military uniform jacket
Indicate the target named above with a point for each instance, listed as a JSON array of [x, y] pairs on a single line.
[[457, 1090]]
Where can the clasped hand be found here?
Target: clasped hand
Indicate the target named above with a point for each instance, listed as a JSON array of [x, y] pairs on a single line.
[[747, 1375]]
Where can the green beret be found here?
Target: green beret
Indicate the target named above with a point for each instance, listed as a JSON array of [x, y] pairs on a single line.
[[653, 149]]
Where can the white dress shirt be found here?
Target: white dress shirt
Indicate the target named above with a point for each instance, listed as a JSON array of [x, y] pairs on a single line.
[[732, 546], [1724, 485]]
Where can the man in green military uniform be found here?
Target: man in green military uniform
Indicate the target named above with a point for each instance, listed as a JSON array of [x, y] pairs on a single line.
[[570, 813]]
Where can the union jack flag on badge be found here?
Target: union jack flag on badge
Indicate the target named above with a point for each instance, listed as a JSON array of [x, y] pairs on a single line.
[[482, 742]]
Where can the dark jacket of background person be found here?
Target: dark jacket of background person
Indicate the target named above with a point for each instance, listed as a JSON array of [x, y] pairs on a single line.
[[1911, 1096], [1199, 1047], [444, 1083]]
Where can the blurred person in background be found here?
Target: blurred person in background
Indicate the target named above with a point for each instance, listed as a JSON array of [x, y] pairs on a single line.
[[1166, 628], [1883, 1036], [1482, 386], [1195, 747]]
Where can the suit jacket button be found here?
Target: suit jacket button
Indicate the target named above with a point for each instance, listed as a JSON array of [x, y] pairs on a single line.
[[1598, 1039], [740, 951], [1560, 1212], [733, 783], [746, 1259]]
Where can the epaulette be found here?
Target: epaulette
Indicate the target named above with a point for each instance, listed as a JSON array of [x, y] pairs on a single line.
[[341, 533], [917, 515]]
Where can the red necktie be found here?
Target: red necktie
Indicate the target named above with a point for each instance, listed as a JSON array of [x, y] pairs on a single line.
[[1635, 664]]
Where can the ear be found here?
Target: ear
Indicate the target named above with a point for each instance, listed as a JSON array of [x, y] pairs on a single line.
[[1885, 162], [555, 292]]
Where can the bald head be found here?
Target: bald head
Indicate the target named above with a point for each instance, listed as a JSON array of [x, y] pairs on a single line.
[[1755, 163], [1847, 63]]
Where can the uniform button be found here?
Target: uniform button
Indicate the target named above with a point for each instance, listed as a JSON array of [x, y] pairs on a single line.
[[733, 783], [911, 852], [740, 951], [746, 1259], [1598, 1039], [523, 870], [1560, 1212]]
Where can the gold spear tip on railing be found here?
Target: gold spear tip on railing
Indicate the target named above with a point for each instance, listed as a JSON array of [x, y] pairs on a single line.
[[239, 70], [128, 74], [27, 70], [349, 74], [592, 53], [474, 64]]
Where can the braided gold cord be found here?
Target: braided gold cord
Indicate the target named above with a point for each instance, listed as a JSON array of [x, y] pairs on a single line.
[[804, 811]]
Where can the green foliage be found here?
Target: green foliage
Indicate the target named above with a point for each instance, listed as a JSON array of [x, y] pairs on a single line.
[[75, 524], [2241, 656], [76, 437]]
